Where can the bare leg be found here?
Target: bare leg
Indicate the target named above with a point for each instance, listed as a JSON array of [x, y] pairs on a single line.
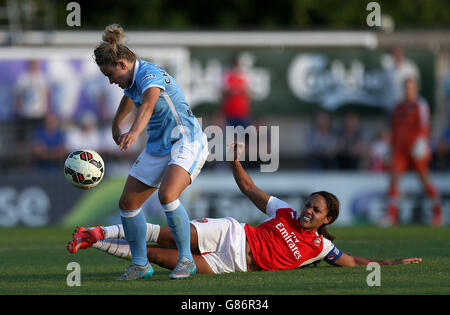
[[174, 182], [427, 184], [393, 200], [134, 194], [166, 239], [433, 194], [165, 254], [168, 257], [162, 256]]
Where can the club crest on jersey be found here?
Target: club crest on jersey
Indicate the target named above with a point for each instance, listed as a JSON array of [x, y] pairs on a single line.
[[317, 241]]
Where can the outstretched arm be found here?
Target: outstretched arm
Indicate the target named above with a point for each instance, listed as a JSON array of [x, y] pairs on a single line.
[[244, 182], [352, 261]]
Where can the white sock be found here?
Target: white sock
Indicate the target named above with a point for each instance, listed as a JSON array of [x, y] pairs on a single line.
[[153, 232], [116, 231], [116, 247]]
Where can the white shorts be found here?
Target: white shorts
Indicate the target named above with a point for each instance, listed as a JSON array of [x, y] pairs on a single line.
[[149, 169], [222, 244]]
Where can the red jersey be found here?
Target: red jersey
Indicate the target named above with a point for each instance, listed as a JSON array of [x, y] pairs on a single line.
[[237, 102], [280, 243], [409, 122]]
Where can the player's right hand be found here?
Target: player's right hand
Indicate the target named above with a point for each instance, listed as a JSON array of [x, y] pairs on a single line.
[[127, 139]]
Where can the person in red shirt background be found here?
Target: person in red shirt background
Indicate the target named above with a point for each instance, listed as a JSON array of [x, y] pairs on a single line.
[[410, 150], [235, 96]]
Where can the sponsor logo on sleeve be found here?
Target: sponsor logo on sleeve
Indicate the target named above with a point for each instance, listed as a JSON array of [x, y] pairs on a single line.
[[148, 76]]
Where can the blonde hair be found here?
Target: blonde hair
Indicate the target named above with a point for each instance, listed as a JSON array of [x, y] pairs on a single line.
[[112, 48]]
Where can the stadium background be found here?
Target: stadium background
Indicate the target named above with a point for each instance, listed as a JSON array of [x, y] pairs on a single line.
[[346, 62]]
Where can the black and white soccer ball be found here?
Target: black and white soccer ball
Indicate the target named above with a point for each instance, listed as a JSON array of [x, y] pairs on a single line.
[[84, 168]]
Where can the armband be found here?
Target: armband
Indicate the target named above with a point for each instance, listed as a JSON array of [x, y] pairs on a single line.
[[333, 255]]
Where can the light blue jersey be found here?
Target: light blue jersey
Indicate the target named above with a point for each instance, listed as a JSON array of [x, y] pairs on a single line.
[[171, 118]]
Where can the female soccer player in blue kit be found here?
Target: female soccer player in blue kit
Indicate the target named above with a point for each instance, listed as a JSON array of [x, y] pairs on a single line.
[[175, 152]]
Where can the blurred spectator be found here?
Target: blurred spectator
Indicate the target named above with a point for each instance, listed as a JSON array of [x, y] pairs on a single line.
[[65, 84], [235, 96], [235, 108], [84, 135], [321, 142], [31, 102], [447, 95], [411, 150], [441, 159], [379, 152], [399, 68], [96, 95], [48, 146], [350, 146]]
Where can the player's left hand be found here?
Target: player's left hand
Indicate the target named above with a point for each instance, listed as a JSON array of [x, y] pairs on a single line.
[[126, 140], [405, 261], [237, 148]]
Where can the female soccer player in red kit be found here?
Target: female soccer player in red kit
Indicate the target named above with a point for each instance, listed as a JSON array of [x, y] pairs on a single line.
[[288, 239], [411, 150]]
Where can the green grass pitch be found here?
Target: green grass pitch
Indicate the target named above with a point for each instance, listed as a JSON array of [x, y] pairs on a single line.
[[34, 261]]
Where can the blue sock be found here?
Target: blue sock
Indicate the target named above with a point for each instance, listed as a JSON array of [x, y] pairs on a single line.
[[179, 224], [135, 228]]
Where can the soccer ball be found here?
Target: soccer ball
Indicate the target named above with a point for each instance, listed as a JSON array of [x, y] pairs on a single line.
[[84, 168]]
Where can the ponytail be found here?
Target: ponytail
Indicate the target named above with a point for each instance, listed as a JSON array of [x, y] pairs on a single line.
[[322, 230], [112, 48]]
